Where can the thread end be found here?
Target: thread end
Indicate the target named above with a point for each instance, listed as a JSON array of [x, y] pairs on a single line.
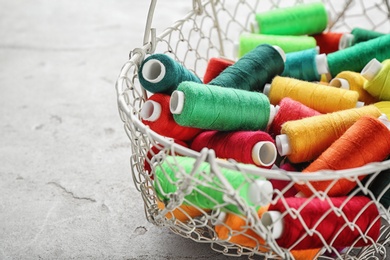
[[150, 111], [264, 153], [345, 41], [260, 192], [153, 71], [273, 219], [339, 83], [371, 69], [283, 144], [176, 103]]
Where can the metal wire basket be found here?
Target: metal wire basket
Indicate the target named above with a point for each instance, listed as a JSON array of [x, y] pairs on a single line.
[[211, 30]]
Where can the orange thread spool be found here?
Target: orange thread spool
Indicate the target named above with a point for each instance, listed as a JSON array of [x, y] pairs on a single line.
[[183, 212], [366, 141], [353, 81], [305, 139], [322, 98]]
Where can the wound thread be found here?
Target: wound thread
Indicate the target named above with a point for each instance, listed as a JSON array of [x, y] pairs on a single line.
[[159, 73], [328, 41], [362, 35], [250, 147], [214, 67], [301, 19], [249, 41], [307, 138], [309, 94], [253, 70], [356, 57], [366, 141], [218, 108], [353, 81], [379, 85], [156, 114]]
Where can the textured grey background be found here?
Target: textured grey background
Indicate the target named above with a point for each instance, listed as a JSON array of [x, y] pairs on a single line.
[[65, 185]]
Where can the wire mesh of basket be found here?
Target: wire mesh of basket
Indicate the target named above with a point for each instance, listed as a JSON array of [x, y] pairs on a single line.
[[211, 29]]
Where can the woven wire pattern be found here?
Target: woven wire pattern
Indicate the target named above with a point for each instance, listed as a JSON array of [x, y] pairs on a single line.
[[193, 41]]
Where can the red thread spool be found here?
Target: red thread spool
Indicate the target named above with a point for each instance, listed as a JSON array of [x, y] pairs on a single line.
[[215, 67], [288, 110], [282, 184], [254, 147], [328, 42], [366, 141], [156, 114], [340, 222]]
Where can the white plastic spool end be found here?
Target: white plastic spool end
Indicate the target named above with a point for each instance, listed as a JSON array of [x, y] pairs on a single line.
[[264, 153], [281, 52], [359, 104], [176, 103], [283, 144], [153, 71], [274, 220], [340, 83], [260, 192], [322, 64], [236, 50], [385, 120], [267, 89], [371, 69], [273, 110], [151, 111], [345, 41], [255, 28]]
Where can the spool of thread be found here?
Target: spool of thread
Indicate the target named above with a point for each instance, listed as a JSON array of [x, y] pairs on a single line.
[[301, 19], [183, 213], [234, 228], [214, 67], [384, 107], [357, 56], [305, 139], [309, 94], [378, 80], [328, 41], [250, 147], [360, 218], [285, 186], [156, 114], [253, 70], [207, 192], [218, 108], [366, 141], [353, 81], [289, 110], [357, 35], [305, 65], [159, 73], [249, 41]]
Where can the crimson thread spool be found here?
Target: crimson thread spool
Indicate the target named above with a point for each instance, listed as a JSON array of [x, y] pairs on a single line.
[[156, 114], [305, 139], [214, 67], [309, 94], [328, 41], [353, 81], [289, 110], [253, 70], [301, 223], [378, 80], [159, 73], [218, 108], [366, 141], [251, 147]]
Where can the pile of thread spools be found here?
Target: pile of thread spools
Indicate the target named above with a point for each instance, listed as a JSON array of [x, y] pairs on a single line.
[[307, 99]]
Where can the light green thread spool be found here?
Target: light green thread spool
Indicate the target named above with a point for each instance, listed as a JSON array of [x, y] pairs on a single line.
[[302, 19], [208, 191], [249, 41], [218, 108], [378, 79]]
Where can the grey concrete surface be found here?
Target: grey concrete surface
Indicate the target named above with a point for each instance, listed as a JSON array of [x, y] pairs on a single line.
[[65, 185]]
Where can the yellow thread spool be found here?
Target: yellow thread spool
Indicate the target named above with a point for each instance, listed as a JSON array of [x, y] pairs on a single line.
[[353, 81], [305, 139], [384, 107], [319, 97], [378, 79]]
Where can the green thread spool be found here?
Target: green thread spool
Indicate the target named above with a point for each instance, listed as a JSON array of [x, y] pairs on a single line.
[[245, 73], [249, 41], [208, 190], [297, 20], [218, 108], [305, 65], [378, 79], [357, 35], [159, 73], [356, 57]]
